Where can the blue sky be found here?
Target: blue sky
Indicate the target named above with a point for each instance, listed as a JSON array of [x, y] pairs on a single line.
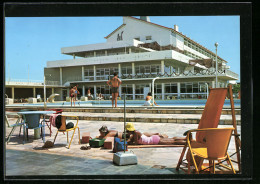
[[32, 41]]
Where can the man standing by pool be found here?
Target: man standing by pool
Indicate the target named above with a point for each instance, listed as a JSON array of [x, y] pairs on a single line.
[[114, 83]]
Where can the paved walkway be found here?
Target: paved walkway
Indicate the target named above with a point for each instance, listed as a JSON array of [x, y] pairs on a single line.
[[30, 158]]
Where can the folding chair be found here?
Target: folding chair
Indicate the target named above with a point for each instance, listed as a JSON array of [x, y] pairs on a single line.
[[215, 148], [63, 128], [18, 123]]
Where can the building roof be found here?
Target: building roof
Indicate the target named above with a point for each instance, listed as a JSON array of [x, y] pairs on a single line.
[[173, 30]]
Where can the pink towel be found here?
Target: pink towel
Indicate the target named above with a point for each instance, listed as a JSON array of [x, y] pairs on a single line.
[[52, 119]]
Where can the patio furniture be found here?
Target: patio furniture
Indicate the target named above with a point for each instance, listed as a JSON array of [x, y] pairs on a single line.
[[215, 148], [18, 123], [32, 120], [210, 119], [48, 122], [63, 128]]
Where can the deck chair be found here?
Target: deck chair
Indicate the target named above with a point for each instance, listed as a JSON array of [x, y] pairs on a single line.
[[215, 149], [210, 119], [18, 123], [63, 128]]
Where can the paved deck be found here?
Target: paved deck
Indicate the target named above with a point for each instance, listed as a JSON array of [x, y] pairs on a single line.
[[30, 158]]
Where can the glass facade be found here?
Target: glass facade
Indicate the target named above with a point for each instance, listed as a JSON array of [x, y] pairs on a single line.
[[105, 73]]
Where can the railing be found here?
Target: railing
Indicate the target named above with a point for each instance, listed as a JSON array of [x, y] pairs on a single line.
[[208, 72], [31, 82], [232, 74]]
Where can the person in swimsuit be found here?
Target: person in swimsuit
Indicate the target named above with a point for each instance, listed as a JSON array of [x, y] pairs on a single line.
[[72, 95], [148, 100], [89, 94], [137, 138], [114, 83], [76, 92], [104, 133]]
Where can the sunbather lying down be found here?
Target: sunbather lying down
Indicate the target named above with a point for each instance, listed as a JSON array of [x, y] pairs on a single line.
[[105, 133], [137, 138]]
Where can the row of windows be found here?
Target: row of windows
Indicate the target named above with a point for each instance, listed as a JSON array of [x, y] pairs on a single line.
[[187, 53], [104, 73], [199, 49], [146, 38]]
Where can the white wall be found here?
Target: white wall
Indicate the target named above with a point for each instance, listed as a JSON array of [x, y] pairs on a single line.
[[135, 28]]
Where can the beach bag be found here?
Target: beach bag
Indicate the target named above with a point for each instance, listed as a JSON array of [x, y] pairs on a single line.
[[119, 145]]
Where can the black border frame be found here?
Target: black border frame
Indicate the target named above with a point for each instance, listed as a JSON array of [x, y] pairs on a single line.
[[243, 9]]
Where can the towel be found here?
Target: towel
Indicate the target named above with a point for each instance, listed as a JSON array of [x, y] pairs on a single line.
[[52, 119]]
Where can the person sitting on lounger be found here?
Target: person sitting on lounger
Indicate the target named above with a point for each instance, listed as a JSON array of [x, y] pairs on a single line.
[[104, 133], [148, 100], [137, 138]]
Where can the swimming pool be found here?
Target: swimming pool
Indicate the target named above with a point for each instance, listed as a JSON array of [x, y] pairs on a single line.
[[129, 103]]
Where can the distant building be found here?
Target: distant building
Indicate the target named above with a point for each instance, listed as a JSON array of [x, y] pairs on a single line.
[[139, 51]]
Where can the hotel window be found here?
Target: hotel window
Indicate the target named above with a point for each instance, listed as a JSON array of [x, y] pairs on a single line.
[[148, 37], [89, 74], [127, 89], [171, 88], [137, 38], [126, 70]]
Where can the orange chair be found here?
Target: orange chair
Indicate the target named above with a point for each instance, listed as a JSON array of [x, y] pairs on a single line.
[[63, 128], [215, 148], [209, 119]]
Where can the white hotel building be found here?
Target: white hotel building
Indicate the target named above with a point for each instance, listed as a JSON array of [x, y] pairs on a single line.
[[139, 51]]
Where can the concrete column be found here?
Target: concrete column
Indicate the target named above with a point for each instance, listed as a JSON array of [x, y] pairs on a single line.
[[130, 50], [133, 86], [83, 90], [179, 90], [34, 92], [95, 54], [119, 70], [133, 69], [95, 73], [105, 52], [83, 73], [150, 86], [74, 56], [52, 90], [95, 91], [162, 67], [213, 84], [60, 76], [12, 92], [163, 86], [68, 92]]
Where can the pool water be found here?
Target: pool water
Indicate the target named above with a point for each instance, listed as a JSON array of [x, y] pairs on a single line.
[[130, 103]]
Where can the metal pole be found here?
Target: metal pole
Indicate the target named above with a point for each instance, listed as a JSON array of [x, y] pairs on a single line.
[[44, 92], [216, 45], [153, 88], [124, 122]]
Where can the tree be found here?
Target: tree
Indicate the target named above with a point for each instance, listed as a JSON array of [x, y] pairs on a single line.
[[236, 88]]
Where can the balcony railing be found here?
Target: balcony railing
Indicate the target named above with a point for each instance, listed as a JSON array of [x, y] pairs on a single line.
[[31, 82], [208, 72]]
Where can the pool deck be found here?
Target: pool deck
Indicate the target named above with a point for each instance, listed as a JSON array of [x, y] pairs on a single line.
[[30, 158]]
